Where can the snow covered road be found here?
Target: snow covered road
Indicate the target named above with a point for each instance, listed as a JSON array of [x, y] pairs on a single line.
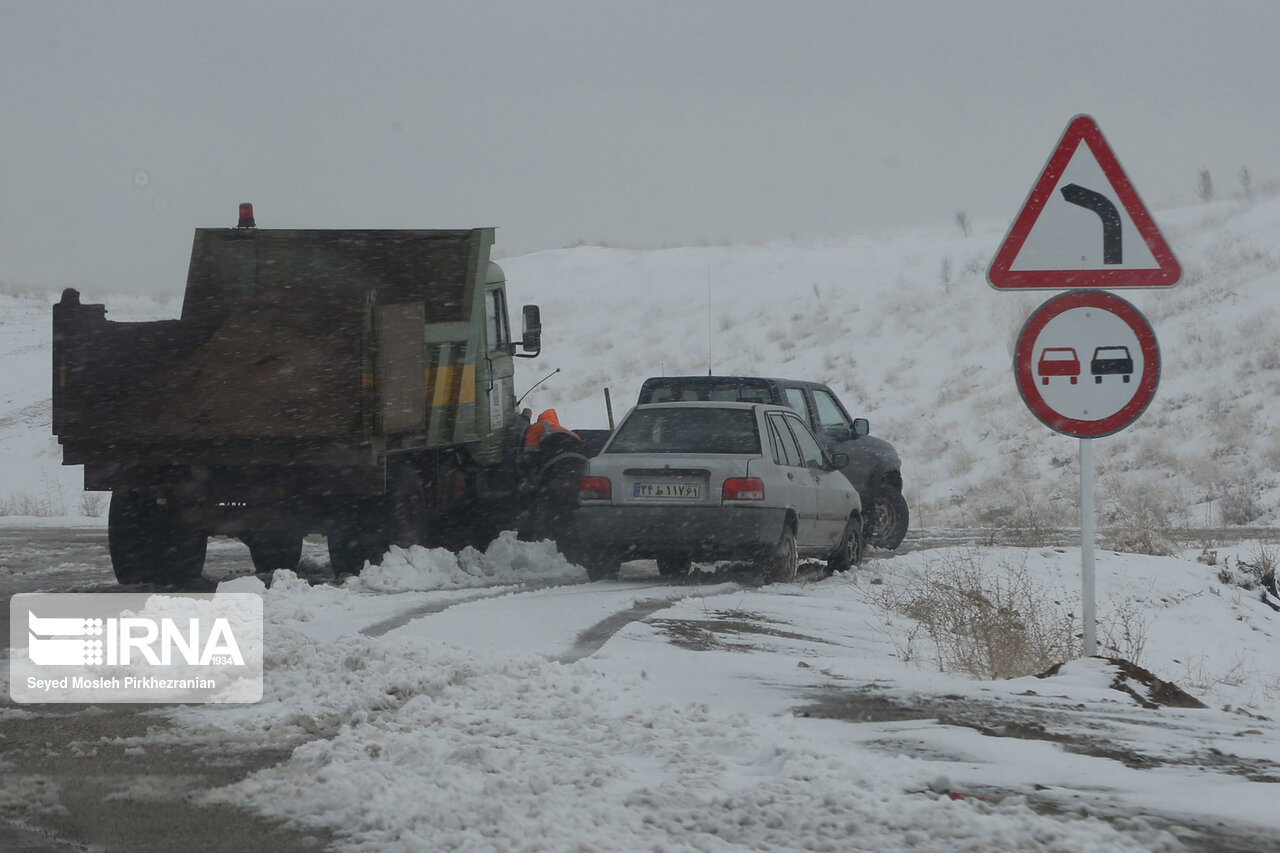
[[496, 702]]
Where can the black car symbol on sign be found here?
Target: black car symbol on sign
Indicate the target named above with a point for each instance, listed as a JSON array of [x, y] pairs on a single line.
[[1111, 361]]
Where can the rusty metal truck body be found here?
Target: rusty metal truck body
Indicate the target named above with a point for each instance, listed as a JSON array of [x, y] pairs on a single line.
[[352, 383]]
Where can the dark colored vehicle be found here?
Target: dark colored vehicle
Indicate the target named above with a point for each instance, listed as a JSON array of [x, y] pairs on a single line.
[[1059, 361], [1111, 361], [708, 481], [873, 466]]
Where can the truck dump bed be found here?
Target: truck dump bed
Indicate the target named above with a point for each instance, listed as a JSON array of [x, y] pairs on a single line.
[[291, 343]]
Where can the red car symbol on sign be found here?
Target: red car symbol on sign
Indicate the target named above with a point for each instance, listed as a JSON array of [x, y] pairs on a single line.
[[1059, 361]]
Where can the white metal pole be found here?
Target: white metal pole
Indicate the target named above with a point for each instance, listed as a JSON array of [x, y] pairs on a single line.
[[1087, 535]]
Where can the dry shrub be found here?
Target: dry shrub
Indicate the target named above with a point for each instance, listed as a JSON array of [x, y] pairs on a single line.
[[990, 622]]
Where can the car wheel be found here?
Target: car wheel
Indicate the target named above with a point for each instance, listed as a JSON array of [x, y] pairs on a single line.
[[888, 520], [674, 564], [849, 552], [781, 563]]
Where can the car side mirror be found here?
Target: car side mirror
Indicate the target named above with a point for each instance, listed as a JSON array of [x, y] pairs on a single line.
[[839, 460], [861, 427], [532, 331]]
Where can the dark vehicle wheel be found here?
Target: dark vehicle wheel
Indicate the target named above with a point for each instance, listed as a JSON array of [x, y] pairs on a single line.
[[145, 546], [271, 549], [550, 514], [601, 566], [357, 534], [406, 509], [888, 519], [674, 564], [781, 563], [849, 552]]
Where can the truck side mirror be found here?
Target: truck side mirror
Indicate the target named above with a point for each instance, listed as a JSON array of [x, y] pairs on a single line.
[[532, 332], [861, 427]]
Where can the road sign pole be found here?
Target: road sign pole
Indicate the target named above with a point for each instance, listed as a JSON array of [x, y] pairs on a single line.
[[1087, 535]]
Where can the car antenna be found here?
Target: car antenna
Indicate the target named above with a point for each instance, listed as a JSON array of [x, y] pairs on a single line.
[[535, 385], [708, 319]]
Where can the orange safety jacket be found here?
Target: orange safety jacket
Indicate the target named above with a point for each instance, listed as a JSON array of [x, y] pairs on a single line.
[[547, 423]]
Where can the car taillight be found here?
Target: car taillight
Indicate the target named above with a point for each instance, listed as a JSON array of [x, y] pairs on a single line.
[[595, 489], [743, 489]]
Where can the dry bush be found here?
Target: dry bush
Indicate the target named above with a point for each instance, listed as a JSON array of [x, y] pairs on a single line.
[[990, 622], [1137, 519]]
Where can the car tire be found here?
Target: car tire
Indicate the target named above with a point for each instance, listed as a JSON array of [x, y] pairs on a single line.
[[674, 564], [887, 521], [849, 552], [780, 564]]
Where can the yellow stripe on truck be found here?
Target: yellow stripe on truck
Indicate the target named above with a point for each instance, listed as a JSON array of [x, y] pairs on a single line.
[[443, 391]]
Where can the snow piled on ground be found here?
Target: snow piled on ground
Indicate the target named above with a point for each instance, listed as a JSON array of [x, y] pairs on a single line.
[[457, 719]]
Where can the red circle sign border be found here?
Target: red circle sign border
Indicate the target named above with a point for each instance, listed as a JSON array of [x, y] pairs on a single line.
[[1025, 375]]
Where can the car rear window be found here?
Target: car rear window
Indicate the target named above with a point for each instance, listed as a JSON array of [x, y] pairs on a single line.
[[688, 392], [700, 430]]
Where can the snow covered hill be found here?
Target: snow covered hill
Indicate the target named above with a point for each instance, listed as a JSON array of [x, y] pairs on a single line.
[[903, 325]]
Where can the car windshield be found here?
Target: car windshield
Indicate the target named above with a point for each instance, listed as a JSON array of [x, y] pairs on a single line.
[[687, 430]]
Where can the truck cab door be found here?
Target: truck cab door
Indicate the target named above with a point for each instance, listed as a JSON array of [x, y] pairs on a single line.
[[499, 365]]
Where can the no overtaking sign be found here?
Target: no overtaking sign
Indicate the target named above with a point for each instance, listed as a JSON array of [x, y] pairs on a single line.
[[1087, 363]]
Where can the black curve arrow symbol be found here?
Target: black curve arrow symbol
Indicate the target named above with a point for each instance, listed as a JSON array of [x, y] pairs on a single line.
[[1107, 212]]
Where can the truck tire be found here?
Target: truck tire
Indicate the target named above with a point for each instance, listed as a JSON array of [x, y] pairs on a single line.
[[406, 522], [272, 549], [674, 564], [849, 553], [781, 563], [145, 546], [887, 520], [599, 563], [356, 534]]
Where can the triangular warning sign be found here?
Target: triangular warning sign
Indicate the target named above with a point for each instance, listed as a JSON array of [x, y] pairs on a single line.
[[1083, 225]]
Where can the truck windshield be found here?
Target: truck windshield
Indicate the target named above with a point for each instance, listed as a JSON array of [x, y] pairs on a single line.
[[687, 430]]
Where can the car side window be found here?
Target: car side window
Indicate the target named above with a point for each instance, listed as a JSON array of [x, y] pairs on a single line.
[[810, 450], [830, 418], [797, 401], [786, 451]]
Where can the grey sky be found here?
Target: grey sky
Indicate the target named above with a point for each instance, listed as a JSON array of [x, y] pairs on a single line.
[[126, 124]]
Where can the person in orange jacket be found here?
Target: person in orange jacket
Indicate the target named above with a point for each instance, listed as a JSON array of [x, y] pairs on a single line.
[[548, 424]]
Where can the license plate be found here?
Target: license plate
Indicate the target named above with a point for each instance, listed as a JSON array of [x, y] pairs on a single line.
[[678, 491]]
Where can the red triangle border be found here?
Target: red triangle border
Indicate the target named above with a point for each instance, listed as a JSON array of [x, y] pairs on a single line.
[[1002, 277]]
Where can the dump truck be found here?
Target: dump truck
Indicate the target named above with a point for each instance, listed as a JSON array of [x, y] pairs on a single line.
[[352, 383]]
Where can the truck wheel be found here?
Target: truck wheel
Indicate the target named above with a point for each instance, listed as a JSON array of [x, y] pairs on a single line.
[[888, 519], [273, 550], [406, 509], [849, 552], [145, 546], [674, 564], [599, 564], [781, 563], [356, 535]]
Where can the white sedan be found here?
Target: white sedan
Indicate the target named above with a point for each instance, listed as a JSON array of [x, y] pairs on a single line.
[[707, 481]]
